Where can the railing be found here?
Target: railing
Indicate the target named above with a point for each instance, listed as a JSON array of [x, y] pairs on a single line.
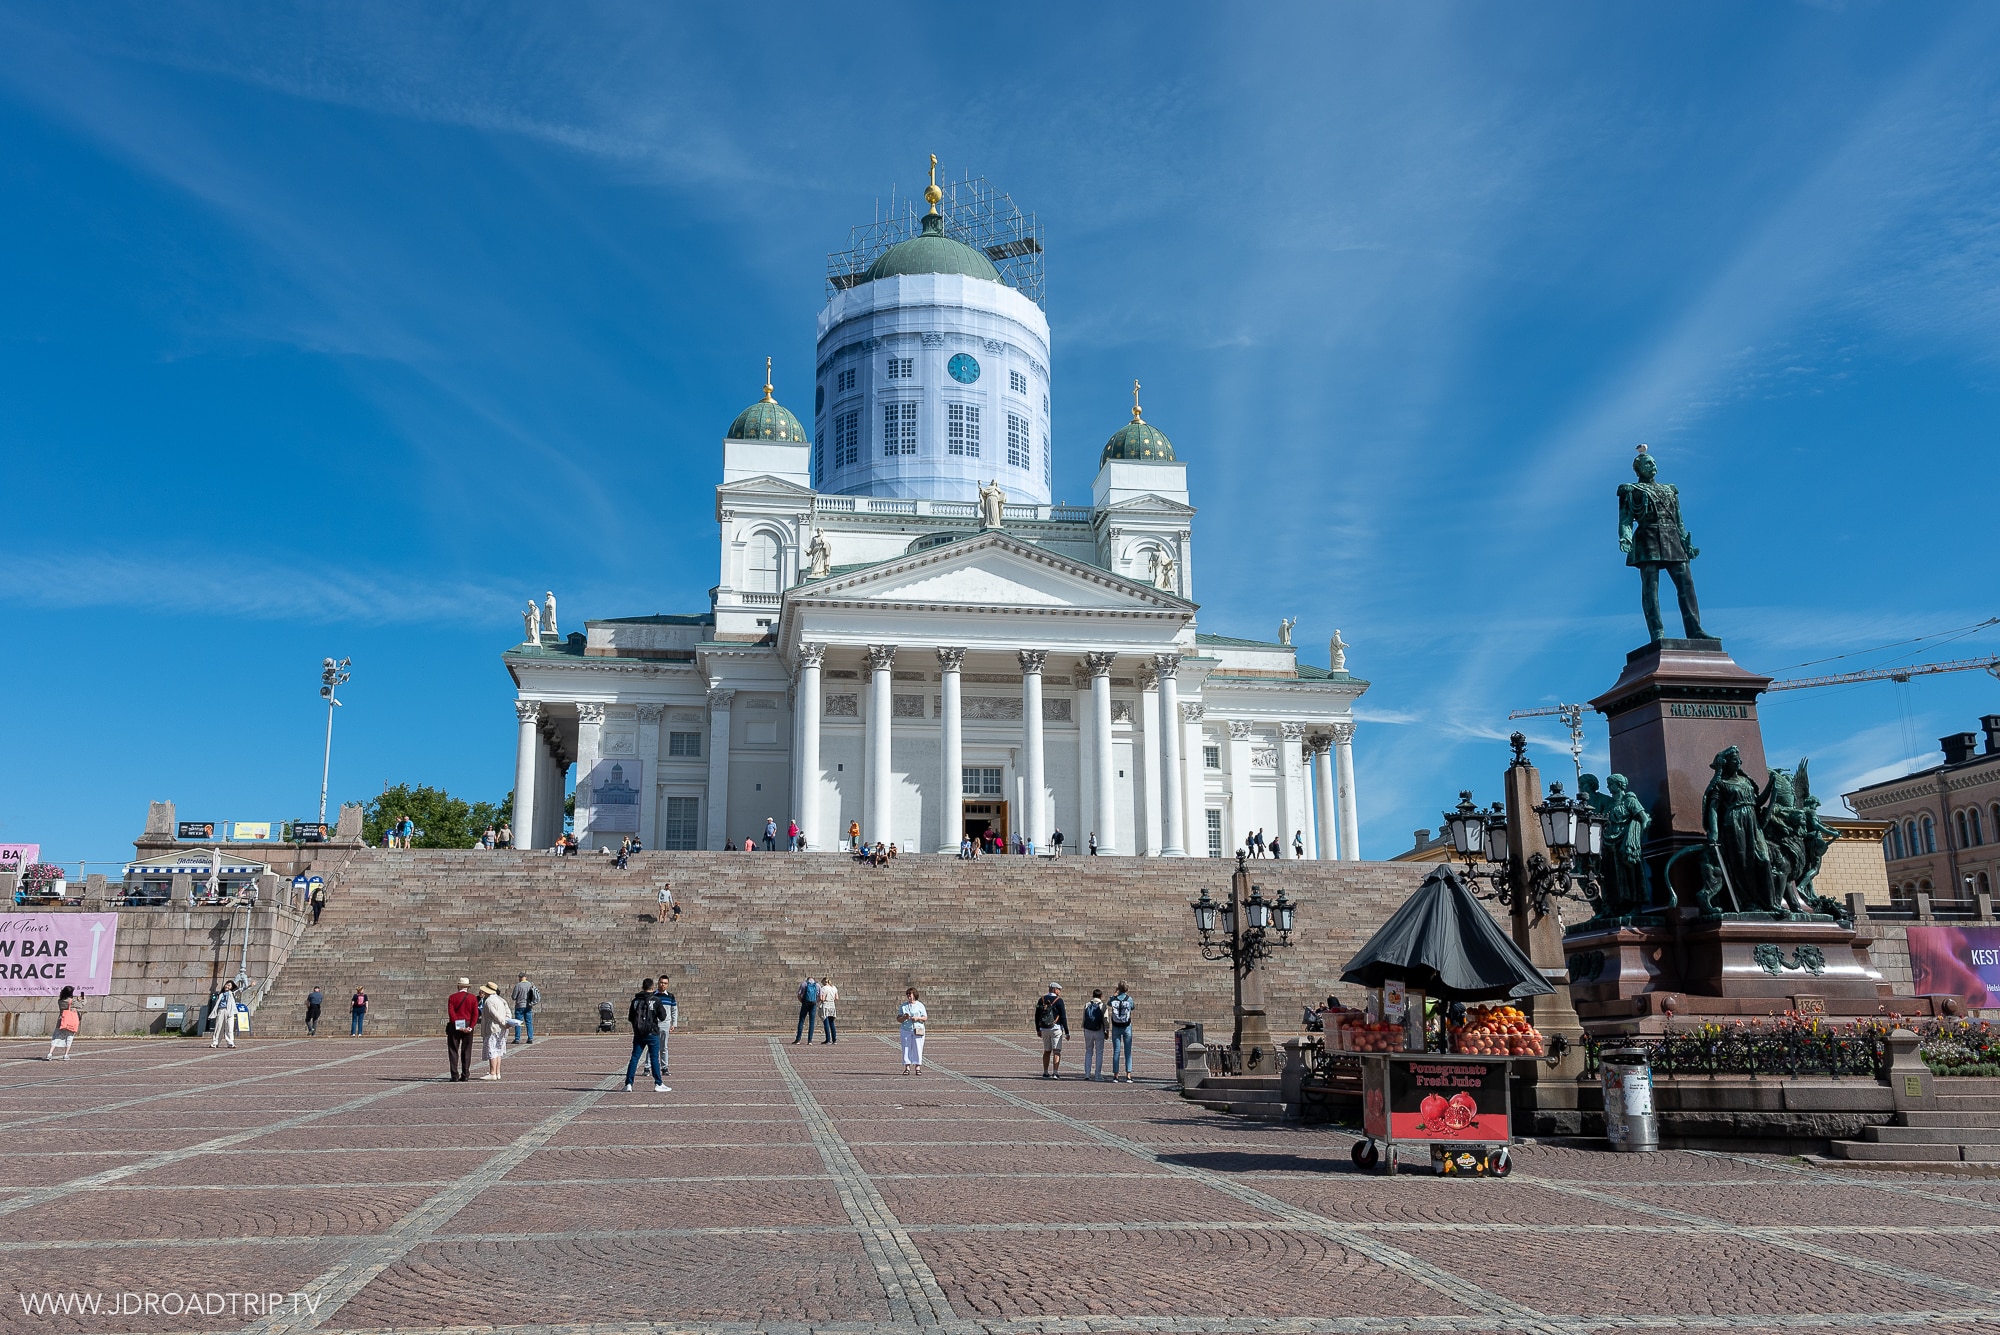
[[760, 599], [1072, 514], [1025, 514], [955, 509], [892, 507], [1789, 1047]]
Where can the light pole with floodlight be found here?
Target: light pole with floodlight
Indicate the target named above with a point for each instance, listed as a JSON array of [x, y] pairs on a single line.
[[332, 676]]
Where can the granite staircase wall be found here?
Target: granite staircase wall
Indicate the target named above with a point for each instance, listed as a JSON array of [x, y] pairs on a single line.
[[980, 938]]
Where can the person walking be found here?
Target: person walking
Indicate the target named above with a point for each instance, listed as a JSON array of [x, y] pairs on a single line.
[[1119, 1012], [1298, 845], [461, 1016], [645, 1015], [668, 1023], [69, 1023], [854, 834], [808, 1001], [504, 836], [526, 996], [357, 1014], [1093, 843], [770, 834], [792, 835], [1094, 1025], [499, 1019], [829, 995], [913, 1017], [314, 1000], [1051, 1023], [318, 902], [224, 1015]]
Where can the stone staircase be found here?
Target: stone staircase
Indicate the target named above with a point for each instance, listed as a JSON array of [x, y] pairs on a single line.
[[1964, 1128], [980, 938], [1258, 1097]]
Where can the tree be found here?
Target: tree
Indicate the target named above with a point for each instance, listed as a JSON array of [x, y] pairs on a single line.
[[443, 821]]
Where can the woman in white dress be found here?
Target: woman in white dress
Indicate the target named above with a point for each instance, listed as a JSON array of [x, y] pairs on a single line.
[[913, 1015], [499, 1017]]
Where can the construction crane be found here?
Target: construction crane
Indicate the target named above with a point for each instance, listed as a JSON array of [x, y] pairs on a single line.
[[1572, 715]]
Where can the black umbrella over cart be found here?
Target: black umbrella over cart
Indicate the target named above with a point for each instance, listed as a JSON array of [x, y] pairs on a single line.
[[1442, 942]]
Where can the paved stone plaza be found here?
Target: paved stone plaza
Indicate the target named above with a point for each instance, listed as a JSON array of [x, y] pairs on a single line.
[[791, 1188]]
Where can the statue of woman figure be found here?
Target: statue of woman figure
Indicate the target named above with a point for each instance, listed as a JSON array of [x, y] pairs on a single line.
[[820, 556], [1735, 843], [992, 505], [531, 620], [1625, 822]]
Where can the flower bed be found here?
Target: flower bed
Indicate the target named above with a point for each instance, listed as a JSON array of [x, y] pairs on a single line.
[[1803, 1045], [37, 877]]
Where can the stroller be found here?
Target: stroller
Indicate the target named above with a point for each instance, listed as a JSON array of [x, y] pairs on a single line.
[[607, 1017]]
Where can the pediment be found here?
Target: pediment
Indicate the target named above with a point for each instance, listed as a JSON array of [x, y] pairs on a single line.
[[992, 571], [763, 484], [1150, 502]]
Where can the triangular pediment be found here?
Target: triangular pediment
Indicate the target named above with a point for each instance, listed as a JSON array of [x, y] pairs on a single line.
[[763, 484], [1150, 502], [991, 571]]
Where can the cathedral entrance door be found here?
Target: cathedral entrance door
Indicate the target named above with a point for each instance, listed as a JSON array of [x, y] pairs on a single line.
[[986, 817]]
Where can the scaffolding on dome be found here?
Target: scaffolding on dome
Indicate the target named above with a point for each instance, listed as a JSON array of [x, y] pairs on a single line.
[[974, 212]]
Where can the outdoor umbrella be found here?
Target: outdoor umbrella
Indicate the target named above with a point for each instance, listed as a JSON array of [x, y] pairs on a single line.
[[1444, 943]]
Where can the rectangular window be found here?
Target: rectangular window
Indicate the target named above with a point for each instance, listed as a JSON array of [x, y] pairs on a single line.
[[847, 439], [1018, 448], [844, 381], [1017, 382], [683, 828], [683, 743], [899, 429], [819, 454], [1048, 462], [962, 429], [1211, 757], [1215, 833], [981, 782], [902, 368]]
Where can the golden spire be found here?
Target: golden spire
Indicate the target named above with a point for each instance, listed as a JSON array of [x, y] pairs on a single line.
[[767, 381], [1135, 402], [931, 191]]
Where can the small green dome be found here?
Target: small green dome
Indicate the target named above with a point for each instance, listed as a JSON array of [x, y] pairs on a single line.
[[766, 419], [1138, 439], [932, 252]]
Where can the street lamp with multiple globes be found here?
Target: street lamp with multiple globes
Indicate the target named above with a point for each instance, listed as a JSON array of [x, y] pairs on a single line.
[[1240, 931], [1573, 832]]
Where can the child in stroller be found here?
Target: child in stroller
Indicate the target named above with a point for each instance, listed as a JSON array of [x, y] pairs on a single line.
[[607, 1017]]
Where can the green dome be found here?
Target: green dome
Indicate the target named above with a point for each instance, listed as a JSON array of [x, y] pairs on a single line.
[[1138, 439], [933, 252], [766, 419]]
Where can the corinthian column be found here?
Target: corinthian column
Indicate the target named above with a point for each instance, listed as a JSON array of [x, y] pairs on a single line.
[[875, 813], [1099, 666], [1291, 813], [1031, 743], [719, 702], [1328, 842], [1350, 820], [589, 735], [951, 748], [527, 768], [805, 709], [1171, 845]]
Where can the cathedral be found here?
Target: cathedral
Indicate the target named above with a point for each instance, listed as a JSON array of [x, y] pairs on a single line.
[[909, 638]]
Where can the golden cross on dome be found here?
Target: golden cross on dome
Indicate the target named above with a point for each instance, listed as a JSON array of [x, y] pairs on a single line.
[[931, 191], [767, 380], [1135, 402]]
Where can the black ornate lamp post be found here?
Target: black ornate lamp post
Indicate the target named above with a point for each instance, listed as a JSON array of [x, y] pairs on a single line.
[[1240, 931], [1573, 832]]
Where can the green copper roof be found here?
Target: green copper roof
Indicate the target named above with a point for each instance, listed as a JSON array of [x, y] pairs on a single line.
[[932, 252], [766, 419], [1138, 439]]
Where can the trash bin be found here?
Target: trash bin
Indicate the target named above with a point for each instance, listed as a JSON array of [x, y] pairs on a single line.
[[176, 1020], [1185, 1032], [1630, 1123]]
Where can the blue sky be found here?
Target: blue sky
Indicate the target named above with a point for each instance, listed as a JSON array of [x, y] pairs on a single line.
[[343, 329]]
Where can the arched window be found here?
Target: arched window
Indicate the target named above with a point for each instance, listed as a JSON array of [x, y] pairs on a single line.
[[1985, 886], [1972, 822], [1910, 837], [1930, 835], [1892, 843], [760, 562], [1963, 841], [1924, 885]]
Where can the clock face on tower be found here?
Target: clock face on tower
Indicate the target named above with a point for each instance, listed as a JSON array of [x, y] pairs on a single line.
[[963, 369]]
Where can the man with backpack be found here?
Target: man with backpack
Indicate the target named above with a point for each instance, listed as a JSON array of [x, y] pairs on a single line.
[[808, 1006], [1119, 1012], [1051, 1023], [1094, 1025], [526, 996], [645, 1014]]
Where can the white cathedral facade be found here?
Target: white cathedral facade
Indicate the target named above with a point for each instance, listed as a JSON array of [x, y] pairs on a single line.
[[907, 636]]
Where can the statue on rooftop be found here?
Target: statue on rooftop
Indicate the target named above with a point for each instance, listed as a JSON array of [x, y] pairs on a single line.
[[532, 621], [549, 616], [1654, 538], [1336, 653], [992, 505], [819, 556], [1285, 629]]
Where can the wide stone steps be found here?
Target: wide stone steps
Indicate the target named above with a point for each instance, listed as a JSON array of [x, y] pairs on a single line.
[[1964, 1129], [980, 938], [1260, 1098]]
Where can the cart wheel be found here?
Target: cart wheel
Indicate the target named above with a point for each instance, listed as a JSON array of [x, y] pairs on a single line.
[[1500, 1164], [1365, 1154]]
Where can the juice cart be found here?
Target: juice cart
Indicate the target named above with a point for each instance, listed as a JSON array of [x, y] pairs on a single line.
[[1441, 944]]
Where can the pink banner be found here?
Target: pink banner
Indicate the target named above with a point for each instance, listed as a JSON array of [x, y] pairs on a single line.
[[15, 857], [1956, 961], [42, 953]]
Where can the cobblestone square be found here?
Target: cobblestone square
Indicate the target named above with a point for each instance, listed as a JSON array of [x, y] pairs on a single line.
[[341, 1185]]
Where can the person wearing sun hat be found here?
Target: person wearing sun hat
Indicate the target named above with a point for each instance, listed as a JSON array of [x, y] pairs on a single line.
[[461, 1015], [499, 1018]]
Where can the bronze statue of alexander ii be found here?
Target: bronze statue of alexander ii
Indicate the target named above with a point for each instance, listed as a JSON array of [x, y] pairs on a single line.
[[1653, 537]]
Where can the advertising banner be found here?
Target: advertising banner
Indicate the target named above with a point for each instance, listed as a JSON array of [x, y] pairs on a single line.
[[1956, 961], [13, 857], [1448, 1100], [250, 831], [41, 953], [195, 829]]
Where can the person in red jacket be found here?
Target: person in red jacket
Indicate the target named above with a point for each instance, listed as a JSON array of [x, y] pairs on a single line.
[[461, 1011]]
